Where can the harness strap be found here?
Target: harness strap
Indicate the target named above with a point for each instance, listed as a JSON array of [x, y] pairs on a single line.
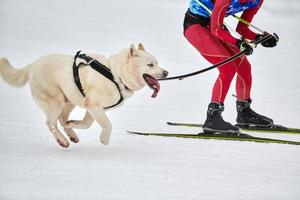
[[100, 68], [76, 73]]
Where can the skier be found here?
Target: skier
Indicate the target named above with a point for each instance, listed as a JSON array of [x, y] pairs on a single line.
[[207, 33]]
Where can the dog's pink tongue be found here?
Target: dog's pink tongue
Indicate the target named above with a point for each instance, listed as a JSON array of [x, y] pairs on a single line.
[[153, 84], [155, 92]]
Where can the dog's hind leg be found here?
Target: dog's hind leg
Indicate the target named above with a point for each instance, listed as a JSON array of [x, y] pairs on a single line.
[[63, 119], [52, 118], [81, 124], [99, 115], [53, 108], [51, 100]]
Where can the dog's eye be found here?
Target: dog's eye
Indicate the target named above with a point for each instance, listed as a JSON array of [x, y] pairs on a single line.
[[151, 65]]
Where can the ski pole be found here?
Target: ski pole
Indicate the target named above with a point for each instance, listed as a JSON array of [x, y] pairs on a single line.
[[204, 6], [238, 18], [248, 23]]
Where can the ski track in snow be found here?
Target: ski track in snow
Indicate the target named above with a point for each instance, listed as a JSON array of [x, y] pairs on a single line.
[[132, 167]]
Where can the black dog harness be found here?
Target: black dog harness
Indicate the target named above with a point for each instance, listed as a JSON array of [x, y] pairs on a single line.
[[102, 69]]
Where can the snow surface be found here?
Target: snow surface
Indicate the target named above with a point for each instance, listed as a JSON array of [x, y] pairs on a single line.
[[33, 166]]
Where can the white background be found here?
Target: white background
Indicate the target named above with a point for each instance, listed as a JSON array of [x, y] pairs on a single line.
[[33, 166]]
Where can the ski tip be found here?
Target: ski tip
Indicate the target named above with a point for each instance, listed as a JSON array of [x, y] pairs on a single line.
[[130, 132], [136, 133], [133, 132]]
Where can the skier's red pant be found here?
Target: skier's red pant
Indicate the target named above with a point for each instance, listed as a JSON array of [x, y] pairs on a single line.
[[214, 50]]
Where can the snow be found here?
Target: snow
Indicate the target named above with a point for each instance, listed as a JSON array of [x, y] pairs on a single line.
[[33, 166]]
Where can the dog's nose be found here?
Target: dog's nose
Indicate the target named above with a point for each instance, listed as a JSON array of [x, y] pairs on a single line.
[[165, 73]]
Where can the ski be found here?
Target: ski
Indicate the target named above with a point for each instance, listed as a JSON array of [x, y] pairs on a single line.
[[274, 129], [218, 136]]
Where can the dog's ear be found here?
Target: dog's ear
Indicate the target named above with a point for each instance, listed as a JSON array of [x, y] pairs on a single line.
[[141, 47], [132, 49]]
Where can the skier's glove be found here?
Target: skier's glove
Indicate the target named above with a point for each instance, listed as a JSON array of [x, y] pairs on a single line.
[[243, 45], [271, 42]]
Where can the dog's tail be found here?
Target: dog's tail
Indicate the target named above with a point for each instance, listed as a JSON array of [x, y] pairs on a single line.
[[12, 76]]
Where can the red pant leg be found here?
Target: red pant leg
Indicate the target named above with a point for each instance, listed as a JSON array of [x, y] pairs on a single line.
[[244, 80], [222, 84], [214, 50], [244, 75]]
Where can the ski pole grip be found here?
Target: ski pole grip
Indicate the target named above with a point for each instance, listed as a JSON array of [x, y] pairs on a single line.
[[263, 39]]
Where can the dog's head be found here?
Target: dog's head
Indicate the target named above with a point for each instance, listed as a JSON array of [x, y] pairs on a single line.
[[144, 69]]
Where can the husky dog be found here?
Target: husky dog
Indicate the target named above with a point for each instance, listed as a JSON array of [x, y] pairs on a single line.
[[53, 88]]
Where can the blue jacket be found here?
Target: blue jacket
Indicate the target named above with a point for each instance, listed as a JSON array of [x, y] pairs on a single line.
[[235, 7]]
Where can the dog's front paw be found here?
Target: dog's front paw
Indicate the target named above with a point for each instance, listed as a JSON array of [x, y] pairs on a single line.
[[104, 139]]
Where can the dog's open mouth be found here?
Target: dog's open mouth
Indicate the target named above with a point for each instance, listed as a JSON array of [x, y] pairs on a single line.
[[152, 83]]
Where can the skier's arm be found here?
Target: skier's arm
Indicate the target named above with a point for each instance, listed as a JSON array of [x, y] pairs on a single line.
[[217, 19], [248, 15]]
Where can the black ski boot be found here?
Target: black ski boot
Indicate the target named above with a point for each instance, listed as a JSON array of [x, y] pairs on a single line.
[[247, 117], [214, 121]]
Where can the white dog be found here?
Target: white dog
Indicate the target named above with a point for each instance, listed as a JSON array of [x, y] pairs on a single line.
[[52, 85]]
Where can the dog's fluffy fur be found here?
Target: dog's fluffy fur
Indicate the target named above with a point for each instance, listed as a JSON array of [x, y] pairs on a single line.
[[53, 87]]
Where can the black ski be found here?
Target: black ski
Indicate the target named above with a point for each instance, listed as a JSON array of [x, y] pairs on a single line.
[[274, 129], [217, 136]]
